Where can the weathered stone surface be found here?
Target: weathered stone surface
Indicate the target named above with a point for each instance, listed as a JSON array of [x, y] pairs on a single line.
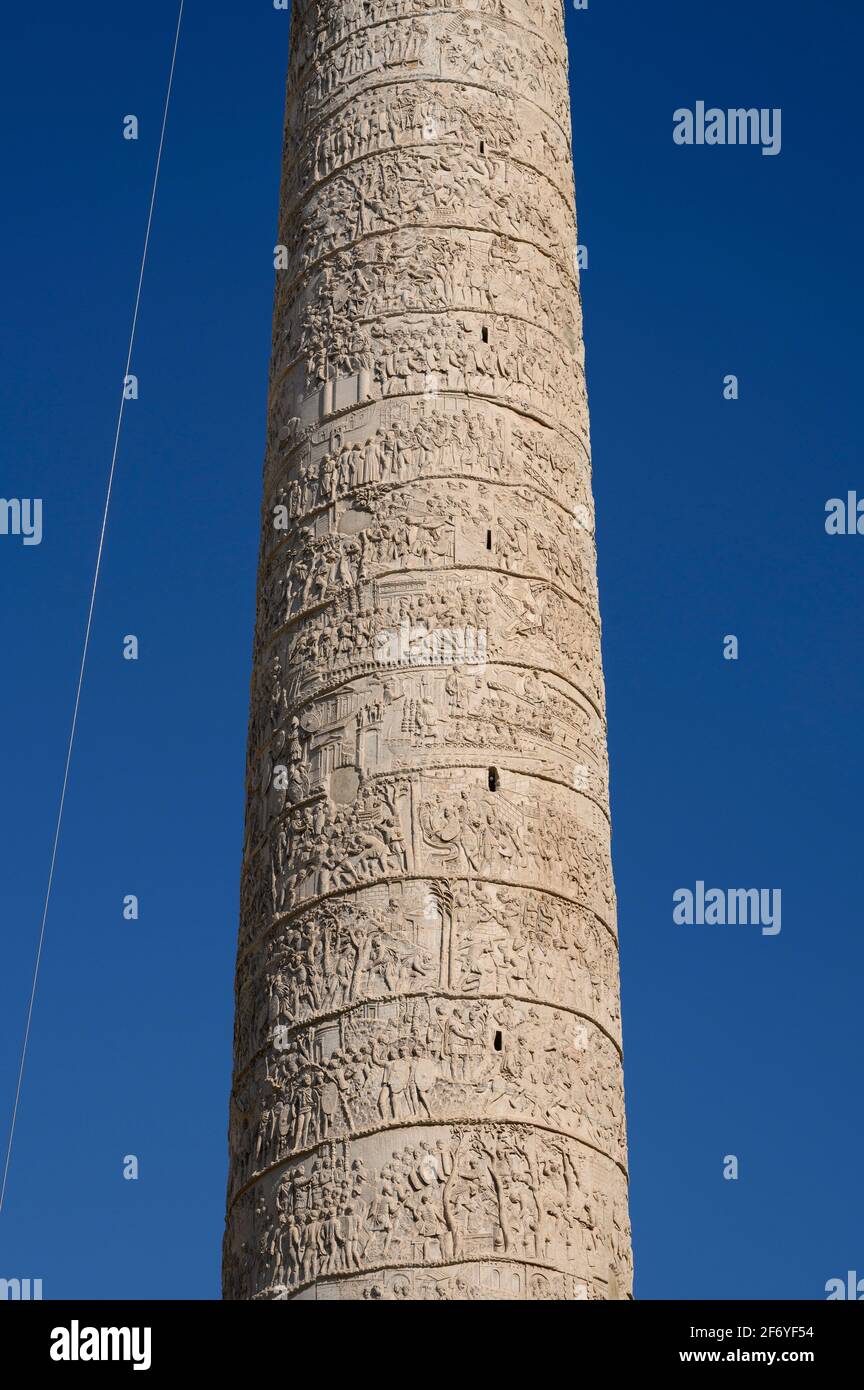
[[427, 1096]]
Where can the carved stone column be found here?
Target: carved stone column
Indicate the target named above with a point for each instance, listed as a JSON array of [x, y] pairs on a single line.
[[427, 1095]]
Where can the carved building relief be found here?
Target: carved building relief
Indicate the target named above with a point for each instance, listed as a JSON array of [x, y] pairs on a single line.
[[427, 1100]]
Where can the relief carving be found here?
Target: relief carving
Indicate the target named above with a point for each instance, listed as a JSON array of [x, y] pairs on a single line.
[[427, 1099]]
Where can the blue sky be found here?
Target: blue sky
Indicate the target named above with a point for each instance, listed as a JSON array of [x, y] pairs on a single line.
[[702, 262]]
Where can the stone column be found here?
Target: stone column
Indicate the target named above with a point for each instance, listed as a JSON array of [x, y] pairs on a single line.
[[427, 1095]]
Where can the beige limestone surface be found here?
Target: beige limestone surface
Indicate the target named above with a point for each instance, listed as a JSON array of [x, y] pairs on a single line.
[[427, 1098]]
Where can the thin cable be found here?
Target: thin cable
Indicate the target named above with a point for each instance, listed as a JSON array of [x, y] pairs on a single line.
[[90, 614]]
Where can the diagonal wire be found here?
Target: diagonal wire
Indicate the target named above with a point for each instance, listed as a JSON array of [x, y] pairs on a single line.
[[88, 629]]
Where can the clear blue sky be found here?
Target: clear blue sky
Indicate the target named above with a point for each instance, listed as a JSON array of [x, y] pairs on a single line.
[[702, 262]]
